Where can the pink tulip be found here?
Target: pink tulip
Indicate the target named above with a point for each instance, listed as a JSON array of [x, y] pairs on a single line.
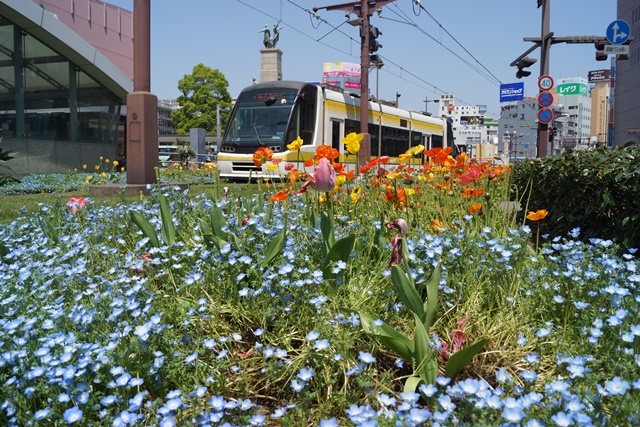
[[324, 177], [76, 203]]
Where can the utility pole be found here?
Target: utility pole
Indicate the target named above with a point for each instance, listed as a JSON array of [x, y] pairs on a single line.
[[545, 41], [545, 37], [364, 10]]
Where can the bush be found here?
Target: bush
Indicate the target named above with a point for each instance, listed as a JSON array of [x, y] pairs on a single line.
[[594, 190]]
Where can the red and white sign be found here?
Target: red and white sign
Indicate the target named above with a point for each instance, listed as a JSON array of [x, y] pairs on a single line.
[[545, 83]]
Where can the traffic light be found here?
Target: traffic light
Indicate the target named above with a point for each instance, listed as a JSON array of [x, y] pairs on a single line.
[[524, 63], [373, 36], [600, 55], [551, 135], [623, 56]]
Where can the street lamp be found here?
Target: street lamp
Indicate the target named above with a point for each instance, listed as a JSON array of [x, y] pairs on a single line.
[[219, 110]]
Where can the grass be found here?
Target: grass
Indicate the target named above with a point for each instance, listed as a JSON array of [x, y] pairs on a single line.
[[253, 310]]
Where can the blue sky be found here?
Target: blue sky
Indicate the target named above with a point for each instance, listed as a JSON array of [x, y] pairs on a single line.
[[463, 47]]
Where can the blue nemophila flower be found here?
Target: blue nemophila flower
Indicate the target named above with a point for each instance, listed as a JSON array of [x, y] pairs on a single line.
[[616, 386], [305, 374], [562, 419], [322, 344], [543, 332], [366, 357], [332, 422], [72, 415], [297, 386], [191, 358], [41, 414], [313, 335]]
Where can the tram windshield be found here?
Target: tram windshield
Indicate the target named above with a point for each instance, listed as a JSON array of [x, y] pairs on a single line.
[[261, 118]]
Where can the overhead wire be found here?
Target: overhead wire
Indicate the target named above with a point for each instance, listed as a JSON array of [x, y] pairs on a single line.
[[454, 39], [314, 15]]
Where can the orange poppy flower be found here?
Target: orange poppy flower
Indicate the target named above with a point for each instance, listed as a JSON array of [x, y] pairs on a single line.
[[327, 152], [473, 192], [475, 208], [309, 163], [437, 225], [537, 215], [279, 196], [262, 156]]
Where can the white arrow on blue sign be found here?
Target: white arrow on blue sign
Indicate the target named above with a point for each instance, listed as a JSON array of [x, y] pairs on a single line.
[[618, 32]]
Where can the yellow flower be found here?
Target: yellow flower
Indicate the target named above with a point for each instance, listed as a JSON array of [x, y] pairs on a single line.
[[355, 193], [295, 145], [340, 180], [272, 167], [538, 215], [352, 142], [103, 175], [97, 167], [107, 160], [101, 157], [394, 175], [122, 169], [84, 166], [409, 191], [115, 163]]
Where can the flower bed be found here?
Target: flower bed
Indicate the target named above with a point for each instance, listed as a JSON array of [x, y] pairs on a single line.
[[262, 310]]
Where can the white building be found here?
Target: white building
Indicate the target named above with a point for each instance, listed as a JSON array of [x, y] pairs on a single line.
[[574, 112], [469, 132]]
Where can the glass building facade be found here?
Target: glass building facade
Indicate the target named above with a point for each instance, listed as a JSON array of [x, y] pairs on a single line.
[[53, 114]]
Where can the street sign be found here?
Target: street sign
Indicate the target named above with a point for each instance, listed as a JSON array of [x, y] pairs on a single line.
[[545, 99], [545, 82], [545, 115], [618, 31], [617, 49]]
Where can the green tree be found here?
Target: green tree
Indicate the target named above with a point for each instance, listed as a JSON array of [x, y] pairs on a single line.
[[201, 90]]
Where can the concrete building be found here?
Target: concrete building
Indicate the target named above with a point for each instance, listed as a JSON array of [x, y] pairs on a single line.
[[165, 121], [574, 113], [517, 130], [60, 95], [469, 131], [600, 108], [627, 82]]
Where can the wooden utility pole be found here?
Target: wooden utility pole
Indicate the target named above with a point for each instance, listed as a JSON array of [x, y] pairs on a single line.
[[364, 10]]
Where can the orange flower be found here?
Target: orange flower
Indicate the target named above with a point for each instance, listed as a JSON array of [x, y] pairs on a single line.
[[475, 208], [437, 225], [473, 192], [262, 156], [538, 215], [327, 152], [279, 196]]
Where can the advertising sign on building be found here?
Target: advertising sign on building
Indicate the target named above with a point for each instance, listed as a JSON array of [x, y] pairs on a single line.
[[342, 74], [573, 89], [599, 76], [512, 92]]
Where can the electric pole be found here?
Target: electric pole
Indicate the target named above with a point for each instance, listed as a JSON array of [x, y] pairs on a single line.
[[364, 10]]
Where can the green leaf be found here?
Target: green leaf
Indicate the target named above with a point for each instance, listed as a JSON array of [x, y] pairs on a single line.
[[429, 371], [421, 345], [412, 384], [213, 241], [326, 227], [3, 251], [205, 227], [431, 304], [49, 230], [145, 226], [274, 248], [407, 292], [460, 359], [168, 230], [217, 221], [341, 250], [389, 337], [378, 238]]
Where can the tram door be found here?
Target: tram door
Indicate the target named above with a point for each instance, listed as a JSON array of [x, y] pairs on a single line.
[[337, 132]]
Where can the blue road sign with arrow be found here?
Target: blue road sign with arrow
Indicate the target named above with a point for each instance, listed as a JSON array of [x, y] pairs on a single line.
[[618, 31]]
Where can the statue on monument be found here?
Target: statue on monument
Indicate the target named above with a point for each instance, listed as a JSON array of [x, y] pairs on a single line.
[[268, 41]]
